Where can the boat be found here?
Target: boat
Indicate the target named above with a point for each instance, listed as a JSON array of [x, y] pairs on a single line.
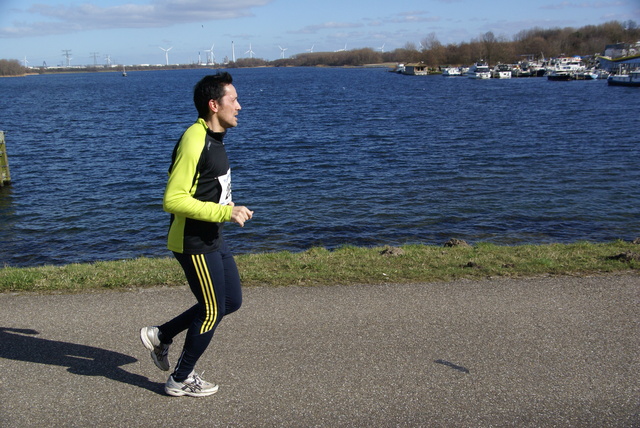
[[124, 72], [590, 74], [479, 70], [530, 67], [564, 68], [399, 69], [501, 71], [451, 71], [625, 76], [559, 75]]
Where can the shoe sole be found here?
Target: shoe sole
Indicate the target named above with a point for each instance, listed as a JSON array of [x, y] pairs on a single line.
[[145, 339], [174, 392], [147, 344]]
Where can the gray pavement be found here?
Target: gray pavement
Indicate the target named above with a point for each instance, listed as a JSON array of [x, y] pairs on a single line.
[[540, 352]]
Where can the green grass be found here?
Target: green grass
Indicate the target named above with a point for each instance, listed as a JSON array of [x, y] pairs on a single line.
[[344, 266]]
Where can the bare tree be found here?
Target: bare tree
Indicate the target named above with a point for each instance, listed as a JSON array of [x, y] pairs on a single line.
[[434, 50], [490, 44]]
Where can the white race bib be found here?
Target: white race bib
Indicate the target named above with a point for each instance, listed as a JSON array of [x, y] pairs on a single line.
[[225, 184]]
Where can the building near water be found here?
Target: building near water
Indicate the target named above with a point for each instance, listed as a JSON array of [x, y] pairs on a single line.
[[619, 54]]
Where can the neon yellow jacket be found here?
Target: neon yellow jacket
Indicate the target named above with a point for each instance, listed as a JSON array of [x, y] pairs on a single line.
[[198, 191]]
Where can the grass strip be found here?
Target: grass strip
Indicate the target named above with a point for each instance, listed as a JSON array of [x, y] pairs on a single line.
[[344, 266]]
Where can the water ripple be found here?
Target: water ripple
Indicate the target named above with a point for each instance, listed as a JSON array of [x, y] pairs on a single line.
[[325, 157]]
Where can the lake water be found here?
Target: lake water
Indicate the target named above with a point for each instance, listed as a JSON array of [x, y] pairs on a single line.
[[325, 157]]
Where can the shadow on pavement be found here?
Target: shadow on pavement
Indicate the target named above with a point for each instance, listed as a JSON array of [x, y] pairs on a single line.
[[22, 345]]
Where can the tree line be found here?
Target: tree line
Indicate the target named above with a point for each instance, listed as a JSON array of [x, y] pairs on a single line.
[[11, 67], [534, 43]]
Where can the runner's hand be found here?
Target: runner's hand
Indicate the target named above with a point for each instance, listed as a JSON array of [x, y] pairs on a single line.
[[241, 214]]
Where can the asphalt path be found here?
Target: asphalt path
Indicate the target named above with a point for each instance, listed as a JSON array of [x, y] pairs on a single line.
[[543, 352]]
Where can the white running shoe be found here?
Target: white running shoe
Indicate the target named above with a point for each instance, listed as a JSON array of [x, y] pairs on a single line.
[[159, 350], [193, 386]]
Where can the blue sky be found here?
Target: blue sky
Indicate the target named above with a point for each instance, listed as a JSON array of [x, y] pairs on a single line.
[[133, 31]]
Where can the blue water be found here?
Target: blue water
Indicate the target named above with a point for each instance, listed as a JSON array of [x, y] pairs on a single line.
[[325, 157]]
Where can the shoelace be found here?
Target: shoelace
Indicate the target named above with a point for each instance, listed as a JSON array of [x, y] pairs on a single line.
[[161, 350], [196, 384]]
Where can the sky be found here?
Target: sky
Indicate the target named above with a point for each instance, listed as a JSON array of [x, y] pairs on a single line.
[[87, 32]]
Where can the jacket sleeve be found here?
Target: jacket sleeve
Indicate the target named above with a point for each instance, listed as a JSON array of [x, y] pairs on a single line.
[[178, 196]]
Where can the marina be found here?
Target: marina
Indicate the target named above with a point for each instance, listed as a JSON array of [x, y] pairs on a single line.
[[621, 71]]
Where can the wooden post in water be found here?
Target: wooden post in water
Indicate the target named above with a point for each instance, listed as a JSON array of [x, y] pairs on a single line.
[[5, 176]]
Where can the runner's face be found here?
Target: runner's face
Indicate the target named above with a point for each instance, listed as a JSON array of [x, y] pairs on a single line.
[[228, 108]]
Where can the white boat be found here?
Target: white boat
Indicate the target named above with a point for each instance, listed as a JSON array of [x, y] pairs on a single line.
[[399, 69], [502, 71], [625, 76], [565, 68], [479, 70], [451, 71], [529, 67]]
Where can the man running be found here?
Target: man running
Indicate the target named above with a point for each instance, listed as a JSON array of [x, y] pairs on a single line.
[[198, 197]]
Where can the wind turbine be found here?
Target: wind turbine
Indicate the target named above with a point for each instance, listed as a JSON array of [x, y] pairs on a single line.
[[166, 54], [282, 51], [342, 50], [211, 58], [250, 52], [311, 50], [381, 48], [25, 62]]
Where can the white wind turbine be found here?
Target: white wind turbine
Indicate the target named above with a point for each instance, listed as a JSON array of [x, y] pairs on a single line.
[[250, 51], [342, 50], [381, 48], [211, 58], [282, 51], [311, 50], [166, 54]]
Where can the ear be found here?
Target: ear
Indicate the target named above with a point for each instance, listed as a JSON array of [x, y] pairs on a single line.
[[213, 106]]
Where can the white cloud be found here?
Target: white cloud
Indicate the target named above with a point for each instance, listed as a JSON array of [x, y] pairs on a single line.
[[583, 5], [413, 17], [49, 20]]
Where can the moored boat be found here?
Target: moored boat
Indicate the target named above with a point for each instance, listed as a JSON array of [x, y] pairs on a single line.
[[502, 71], [479, 70], [399, 69], [451, 71], [564, 68], [625, 76], [590, 74]]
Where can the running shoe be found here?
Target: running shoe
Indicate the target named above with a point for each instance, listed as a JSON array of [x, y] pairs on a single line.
[[193, 386], [159, 350]]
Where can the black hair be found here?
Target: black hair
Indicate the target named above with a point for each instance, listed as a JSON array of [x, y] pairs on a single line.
[[210, 87]]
